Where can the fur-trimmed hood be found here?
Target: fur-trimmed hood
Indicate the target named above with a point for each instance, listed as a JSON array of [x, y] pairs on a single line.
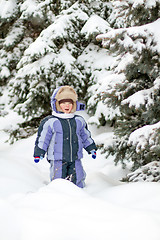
[[65, 92]]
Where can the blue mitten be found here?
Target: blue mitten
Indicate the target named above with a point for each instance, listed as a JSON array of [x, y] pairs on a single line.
[[93, 152], [37, 159]]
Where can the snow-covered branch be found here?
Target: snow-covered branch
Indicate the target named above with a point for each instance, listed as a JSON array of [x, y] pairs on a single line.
[[146, 137], [143, 97]]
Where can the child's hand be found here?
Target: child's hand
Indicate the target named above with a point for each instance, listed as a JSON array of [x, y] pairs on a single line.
[[93, 152], [37, 159]]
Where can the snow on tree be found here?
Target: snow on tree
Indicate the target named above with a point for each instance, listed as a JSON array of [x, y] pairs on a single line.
[[131, 13], [148, 173], [20, 24], [47, 63], [47, 46], [133, 91], [94, 59], [123, 14]]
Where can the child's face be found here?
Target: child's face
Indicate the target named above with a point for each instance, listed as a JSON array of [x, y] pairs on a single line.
[[66, 107]]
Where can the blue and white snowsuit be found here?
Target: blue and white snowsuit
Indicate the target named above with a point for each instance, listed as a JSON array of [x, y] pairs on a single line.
[[63, 137]]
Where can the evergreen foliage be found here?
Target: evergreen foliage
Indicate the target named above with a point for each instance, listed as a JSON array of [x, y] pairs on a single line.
[[45, 44], [129, 13], [133, 92], [148, 173], [48, 43]]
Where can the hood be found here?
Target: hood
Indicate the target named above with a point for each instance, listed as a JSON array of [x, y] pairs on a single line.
[[64, 92]]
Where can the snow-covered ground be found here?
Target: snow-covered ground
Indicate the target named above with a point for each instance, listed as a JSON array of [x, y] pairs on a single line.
[[32, 208]]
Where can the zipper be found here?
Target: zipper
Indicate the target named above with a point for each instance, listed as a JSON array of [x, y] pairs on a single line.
[[70, 131]]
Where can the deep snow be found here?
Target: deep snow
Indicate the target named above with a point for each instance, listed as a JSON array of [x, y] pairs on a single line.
[[32, 208]]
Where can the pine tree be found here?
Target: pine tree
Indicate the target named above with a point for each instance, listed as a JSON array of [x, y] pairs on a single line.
[[133, 13], [132, 90], [52, 49]]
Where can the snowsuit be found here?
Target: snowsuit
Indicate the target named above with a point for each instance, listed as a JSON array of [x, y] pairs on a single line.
[[63, 137]]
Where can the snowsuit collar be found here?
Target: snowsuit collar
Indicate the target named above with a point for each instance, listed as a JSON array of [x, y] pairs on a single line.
[[63, 115]]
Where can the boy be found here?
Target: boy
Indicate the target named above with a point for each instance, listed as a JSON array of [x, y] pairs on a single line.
[[63, 135]]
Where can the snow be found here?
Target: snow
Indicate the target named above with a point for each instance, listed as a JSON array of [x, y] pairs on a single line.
[[95, 24], [146, 173], [5, 72], [139, 98], [149, 3], [32, 207], [8, 8], [30, 8], [147, 30], [144, 136]]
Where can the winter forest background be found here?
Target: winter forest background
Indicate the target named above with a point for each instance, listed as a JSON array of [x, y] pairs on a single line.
[[107, 50]]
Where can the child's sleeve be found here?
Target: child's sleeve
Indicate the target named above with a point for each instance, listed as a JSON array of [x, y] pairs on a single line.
[[43, 139], [88, 142]]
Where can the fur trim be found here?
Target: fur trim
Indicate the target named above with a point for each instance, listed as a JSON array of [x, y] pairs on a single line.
[[66, 92]]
